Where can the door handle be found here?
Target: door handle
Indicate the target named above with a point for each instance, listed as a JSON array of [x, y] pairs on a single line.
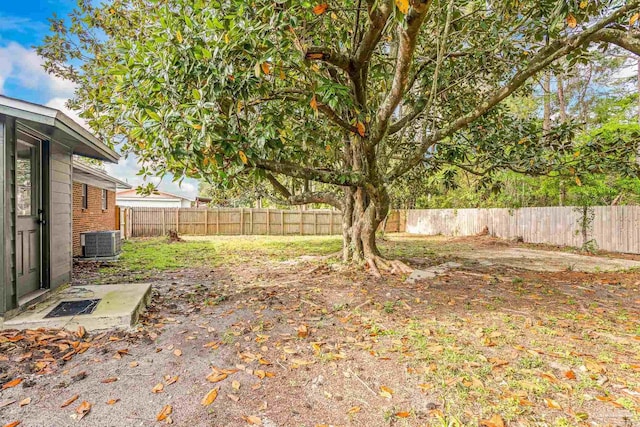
[[41, 219]]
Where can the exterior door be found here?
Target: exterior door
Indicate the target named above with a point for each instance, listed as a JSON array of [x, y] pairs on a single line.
[[28, 204]]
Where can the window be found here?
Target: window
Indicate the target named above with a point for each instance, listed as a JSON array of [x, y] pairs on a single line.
[[24, 179], [104, 199], [85, 196]]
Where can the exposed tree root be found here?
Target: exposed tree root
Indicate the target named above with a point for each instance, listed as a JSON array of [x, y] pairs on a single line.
[[393, 266]]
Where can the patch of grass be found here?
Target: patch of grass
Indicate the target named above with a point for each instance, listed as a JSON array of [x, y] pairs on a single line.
[[156, 254], [531, 362]]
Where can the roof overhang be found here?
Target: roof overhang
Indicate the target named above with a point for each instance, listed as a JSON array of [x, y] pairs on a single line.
[[58, 127], [96, 177]]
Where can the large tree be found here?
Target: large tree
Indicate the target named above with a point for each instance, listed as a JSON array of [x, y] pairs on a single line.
[[353, 94]]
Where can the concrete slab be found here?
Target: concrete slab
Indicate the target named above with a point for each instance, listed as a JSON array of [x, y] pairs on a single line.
[[431, 272], [550, 261], [119, 307]]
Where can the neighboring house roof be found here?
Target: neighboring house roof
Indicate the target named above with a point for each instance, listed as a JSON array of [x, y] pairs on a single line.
[[88, 175], [54, 124], [156, 195]]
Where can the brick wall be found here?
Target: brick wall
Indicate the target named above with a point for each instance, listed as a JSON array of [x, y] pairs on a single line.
[[94, 218]]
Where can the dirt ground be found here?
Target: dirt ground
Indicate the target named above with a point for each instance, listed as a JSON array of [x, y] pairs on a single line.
[[287, 336]]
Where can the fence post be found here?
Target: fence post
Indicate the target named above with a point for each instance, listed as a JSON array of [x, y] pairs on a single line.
[[268, 221], [282, 222], [164, 227], [206, 221], [217, 221], [241, 221], [251, 221]]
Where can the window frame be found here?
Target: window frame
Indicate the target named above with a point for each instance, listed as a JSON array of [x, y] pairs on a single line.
[[85, 197], [105, 199]]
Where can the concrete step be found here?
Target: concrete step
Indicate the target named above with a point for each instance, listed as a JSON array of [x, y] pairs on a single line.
[[119, 307]]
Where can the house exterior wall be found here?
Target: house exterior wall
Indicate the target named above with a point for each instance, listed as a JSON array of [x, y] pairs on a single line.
[[60, 222], [94, 218], [9, 293]]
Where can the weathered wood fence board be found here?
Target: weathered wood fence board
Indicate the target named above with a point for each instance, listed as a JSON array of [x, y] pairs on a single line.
[[148, 222], [610, 228]]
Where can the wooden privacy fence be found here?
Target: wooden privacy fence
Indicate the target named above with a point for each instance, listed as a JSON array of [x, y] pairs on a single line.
[[610, 228], [148, 222]]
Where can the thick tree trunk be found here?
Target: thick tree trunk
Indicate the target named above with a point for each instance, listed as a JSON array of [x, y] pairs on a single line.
[[367, 211]]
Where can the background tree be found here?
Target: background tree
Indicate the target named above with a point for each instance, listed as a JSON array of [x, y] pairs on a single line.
[[354, 94]]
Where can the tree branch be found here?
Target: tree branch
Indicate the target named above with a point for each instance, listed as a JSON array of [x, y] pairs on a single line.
[[304, 198], [407, 37], [543, 59], [624, 39], [329, 56], [335, 118], [316, 197], [345, 179], [378, 17]]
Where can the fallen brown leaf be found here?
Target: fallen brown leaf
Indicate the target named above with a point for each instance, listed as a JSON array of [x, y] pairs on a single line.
[[177, 352], [495, 421], [70, 401], [171, 380], [303, 332], [386, 392], [109, 380], [166, 411], [112, 401], [83, 409], [25, 401], [552, 404], [11, 383], [13, 424], [215, 377], [158, 388], [210, 397], [251, 419]]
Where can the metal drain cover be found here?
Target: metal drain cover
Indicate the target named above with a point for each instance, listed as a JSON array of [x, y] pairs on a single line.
[[73, 308]]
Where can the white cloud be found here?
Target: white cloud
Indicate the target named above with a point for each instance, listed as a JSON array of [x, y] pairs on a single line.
[[20, 24], [24, 67], [127, 169], [61, 104]]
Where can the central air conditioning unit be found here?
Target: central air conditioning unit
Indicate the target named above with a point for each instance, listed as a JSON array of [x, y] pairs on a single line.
[[100, 244]]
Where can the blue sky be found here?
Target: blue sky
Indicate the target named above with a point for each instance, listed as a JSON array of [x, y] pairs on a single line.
[[23, 24]]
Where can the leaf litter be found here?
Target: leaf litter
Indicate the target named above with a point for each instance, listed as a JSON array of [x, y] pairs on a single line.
[[500, 346]]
